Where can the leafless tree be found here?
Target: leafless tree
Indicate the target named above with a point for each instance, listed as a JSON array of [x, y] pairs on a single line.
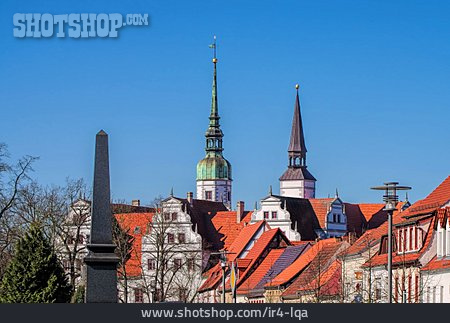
[[123, 240], [12, 177], [174, 262]]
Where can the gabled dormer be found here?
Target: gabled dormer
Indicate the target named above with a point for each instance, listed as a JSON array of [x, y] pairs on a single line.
[[273, 210]]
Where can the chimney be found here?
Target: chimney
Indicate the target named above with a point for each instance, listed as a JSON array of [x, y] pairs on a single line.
[[239, 211], [136, 202], [190, 197]]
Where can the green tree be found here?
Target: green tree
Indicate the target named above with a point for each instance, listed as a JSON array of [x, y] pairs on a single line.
[[34, 275]]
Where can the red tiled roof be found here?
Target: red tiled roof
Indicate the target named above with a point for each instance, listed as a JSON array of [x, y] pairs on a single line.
[[328, 281], [300, 263], [436, 264], [317, 269], [369, 209], [436, 199], [443, 216], [260, 271], [261, 245], [368, 239], [136, 225], [246, 234], [225, 223], [321, 207]]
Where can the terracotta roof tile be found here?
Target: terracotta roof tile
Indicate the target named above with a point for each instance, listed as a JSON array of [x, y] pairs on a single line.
[[300, 263], [321, 206], [435, 200], [317, 270], [136, 224], [437, 264], [225, 222], [251, 282]]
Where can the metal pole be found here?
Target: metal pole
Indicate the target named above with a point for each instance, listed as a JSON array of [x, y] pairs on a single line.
[[223, 284], [390, 256]]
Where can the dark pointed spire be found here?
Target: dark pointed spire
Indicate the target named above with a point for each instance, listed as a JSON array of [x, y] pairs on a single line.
[[297, 147]]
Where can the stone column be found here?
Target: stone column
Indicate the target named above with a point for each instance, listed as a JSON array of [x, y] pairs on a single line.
[[101, 261]]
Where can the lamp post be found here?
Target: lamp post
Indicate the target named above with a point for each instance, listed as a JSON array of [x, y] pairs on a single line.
[[390, 197], [153, 288], [223, 265]]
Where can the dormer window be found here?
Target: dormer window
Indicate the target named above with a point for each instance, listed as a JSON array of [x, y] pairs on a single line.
[[266, 215], [274, 215]]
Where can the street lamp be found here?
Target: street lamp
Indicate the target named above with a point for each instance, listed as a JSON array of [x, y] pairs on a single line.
[[223, 265], [153, 288], [390, 197]]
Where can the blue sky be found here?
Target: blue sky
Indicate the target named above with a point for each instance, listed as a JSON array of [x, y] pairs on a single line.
[[374, 79]]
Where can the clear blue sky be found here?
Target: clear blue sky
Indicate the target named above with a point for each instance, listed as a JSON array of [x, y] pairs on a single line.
[[374, 77]]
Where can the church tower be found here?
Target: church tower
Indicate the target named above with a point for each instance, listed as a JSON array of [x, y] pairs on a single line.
[[214, 171], [297, 181]]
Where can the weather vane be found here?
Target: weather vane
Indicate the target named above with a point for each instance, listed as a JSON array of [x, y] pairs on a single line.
[[213, 46]]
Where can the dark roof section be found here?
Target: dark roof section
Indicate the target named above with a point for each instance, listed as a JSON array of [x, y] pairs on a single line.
[[118, 208], [302, 214], [356, 222], [296, 173], [201, 213], [297, 142], [287, 257]]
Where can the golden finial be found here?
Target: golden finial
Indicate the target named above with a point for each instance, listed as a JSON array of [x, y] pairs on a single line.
[[214, 60], [297, 86]]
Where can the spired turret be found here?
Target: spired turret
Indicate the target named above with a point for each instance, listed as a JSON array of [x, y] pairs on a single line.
[[214, 171], [297, 181]]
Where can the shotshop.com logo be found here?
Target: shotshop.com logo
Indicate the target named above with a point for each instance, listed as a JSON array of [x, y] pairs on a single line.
[[75, 25]]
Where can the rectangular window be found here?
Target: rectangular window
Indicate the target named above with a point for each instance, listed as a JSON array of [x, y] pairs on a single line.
[[174, 216], [138, 295], [400, 245], [442, 294], [266, 215], [411, 238], [428, 294], [151, 264], [416, 238], [274, 215], [339, 218], [405, 235], [181, 238], [208, 195], [170, 238], [166, 216]]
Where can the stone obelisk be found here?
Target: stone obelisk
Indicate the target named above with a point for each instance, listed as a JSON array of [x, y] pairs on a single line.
[[101, 261]]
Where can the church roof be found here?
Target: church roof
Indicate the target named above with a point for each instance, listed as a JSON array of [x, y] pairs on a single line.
[[297, 141], [296, 173]]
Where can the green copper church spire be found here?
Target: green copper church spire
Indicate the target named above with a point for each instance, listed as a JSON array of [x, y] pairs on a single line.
[[214, 134], [214, 166]]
